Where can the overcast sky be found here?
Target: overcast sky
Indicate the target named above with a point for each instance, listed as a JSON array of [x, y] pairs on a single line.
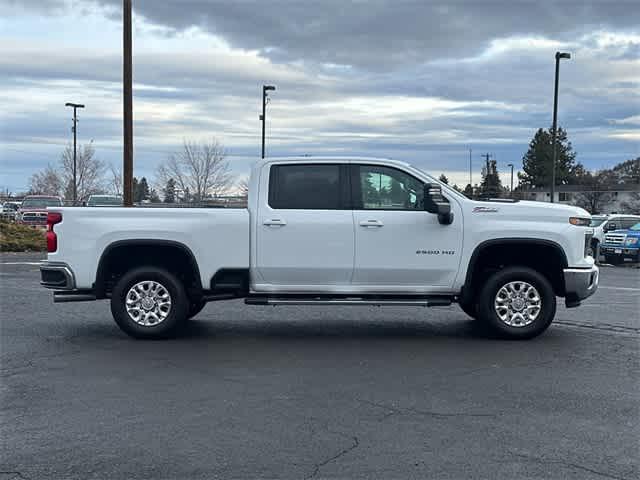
[[418, 81]]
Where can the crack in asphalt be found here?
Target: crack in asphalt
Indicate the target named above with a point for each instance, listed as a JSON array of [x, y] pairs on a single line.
[[430, 413], [606, 327], [344, 451], [566, 464], [15, 474]]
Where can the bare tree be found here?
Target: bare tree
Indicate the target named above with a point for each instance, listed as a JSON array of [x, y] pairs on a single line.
[[199, 168], [89, 171], [595, 195], [115, 180], [632, 205], [243, 186], [46, 182]]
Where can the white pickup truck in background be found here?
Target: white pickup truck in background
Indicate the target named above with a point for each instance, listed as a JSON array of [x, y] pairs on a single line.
[[318, 231]]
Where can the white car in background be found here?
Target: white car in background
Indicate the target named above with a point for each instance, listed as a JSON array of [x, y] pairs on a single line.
[[602, 224]]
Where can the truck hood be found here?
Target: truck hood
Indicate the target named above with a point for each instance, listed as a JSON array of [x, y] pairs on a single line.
[[33, 209], [554, 209], [629, 233]]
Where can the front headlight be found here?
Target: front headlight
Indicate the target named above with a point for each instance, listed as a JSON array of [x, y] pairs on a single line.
[[631, 241], [579, 221]]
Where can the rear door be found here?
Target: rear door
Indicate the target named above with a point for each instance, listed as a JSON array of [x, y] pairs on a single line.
[[305, 236], [399, 246]]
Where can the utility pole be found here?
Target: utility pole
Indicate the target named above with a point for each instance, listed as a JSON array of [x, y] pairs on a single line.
[[75, 106], [555, 123], [511, 165], [263, 117], [127, 90]]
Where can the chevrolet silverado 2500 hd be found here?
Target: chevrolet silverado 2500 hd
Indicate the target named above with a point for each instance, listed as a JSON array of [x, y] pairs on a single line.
[[327, 231]]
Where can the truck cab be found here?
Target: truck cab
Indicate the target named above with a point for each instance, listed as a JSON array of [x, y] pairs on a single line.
[[328, 231]]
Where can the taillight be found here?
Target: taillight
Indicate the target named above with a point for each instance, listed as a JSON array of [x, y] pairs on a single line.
[[52, 239]]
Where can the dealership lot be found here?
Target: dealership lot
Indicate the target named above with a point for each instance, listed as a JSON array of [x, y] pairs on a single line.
[[309, 392]]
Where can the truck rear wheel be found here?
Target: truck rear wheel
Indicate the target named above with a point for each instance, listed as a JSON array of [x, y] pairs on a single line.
[[517, 303], [149, 302]]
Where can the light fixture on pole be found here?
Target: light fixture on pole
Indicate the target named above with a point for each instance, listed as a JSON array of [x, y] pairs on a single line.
[[554, 128], [263, 117], [75, 107]]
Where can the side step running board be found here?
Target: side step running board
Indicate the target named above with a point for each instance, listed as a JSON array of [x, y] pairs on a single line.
[[64, 297], [414, 302]]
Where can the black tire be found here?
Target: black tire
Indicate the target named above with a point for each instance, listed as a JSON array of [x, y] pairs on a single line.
[[195, 308], [612, 259], [470, 308], [177, 312], [486, 307]]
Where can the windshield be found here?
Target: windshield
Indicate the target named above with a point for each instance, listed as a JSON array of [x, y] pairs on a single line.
[[105, 200], [636, 227], [597, 221], [41, 202]]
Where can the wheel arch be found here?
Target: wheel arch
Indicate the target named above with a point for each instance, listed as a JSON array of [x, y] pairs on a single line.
[[490, 250], [168, 253]]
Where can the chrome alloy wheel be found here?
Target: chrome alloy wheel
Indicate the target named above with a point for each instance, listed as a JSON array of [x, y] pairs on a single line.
[[148, 303], [517, 304]]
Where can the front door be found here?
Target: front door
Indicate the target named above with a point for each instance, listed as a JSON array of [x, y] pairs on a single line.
[[305, 236], [399, 246]]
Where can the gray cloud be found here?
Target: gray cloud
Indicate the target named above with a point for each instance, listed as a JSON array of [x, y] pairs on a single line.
[[378, 34]]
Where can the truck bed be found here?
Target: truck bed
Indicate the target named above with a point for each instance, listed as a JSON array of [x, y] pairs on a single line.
[[218, 238]]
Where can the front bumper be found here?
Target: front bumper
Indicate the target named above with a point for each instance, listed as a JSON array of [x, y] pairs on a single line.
[[580, 283], [57, 276], [620, 251]]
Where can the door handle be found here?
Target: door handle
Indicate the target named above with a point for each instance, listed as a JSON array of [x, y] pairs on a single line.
[[371, 223], [274, 222]]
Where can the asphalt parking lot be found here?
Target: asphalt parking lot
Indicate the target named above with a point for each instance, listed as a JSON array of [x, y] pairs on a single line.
[[315, 392]]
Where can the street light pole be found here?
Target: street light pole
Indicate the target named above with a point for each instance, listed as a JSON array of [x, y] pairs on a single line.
[[75, 106], [470, 170], [511, 165], [554, 128], [263, 117]]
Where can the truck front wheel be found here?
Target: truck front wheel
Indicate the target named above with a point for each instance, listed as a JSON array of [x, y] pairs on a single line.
[[517, 303], [149, 302]]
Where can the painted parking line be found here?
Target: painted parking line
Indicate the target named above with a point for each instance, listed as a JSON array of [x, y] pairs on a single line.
[[20, 263], [629, 289]]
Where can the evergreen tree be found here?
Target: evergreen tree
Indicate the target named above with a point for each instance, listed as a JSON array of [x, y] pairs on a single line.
[[134, 189], [536, 163], [468, 191], [141, 190], [169, 191], [443, 178], [491, 185]]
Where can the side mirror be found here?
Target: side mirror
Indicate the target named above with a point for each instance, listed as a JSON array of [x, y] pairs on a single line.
[[435, 203]]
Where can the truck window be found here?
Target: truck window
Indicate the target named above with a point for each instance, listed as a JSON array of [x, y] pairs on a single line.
[[305, 186], [385, 188]]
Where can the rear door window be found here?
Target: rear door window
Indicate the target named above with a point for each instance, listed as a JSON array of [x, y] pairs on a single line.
[[307, 187]]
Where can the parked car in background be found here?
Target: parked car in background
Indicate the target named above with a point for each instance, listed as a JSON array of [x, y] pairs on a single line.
[[602, 224], [621, 245], [9, 211], [104, 201], [33, 211]]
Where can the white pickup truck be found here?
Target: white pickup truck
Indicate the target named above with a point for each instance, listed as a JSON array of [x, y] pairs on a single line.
[[327, 231]]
